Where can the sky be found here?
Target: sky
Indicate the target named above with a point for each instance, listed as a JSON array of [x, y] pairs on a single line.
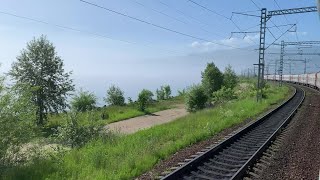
[[163, 41]]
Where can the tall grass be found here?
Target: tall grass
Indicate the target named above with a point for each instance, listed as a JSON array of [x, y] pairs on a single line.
[[125, 157]]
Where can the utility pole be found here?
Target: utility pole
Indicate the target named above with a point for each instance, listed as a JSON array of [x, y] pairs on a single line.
[[290, 68], [305, 65], [264, 17], [263, 24], [275, 67], [281, 62]]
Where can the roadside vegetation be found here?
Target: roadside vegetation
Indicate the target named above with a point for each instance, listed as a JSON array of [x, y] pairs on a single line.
[[125, 157], [110, 114], [43, 136]]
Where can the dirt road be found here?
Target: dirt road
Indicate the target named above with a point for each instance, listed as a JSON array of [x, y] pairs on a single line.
[[142, 122]]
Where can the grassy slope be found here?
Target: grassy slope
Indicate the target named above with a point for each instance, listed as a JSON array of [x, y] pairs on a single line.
[[117, 113], [128, 156]]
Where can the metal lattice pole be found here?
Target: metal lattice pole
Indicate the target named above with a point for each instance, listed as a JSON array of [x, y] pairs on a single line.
[[281, 62], [263, 23]]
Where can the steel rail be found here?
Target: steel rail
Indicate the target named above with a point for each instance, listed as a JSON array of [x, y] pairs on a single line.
[[231, 158]]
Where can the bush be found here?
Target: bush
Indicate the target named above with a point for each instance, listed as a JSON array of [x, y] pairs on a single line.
[[130, 101], [84, 101], [115, 96], [104, 115], [182, 92], [196, 98], [17, 119], [144, 98], [167, 92], [160, 94], [224, 94], [75, 135], [230, 79], [163, 93]]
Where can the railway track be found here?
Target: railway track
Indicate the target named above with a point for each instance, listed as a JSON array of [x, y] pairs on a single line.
[[231, 158]]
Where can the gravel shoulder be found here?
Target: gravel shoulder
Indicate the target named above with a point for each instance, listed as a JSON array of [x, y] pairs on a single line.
[[299, 154], [142, 122]]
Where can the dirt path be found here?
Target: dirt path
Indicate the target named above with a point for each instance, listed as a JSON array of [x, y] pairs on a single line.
[[142, 122]]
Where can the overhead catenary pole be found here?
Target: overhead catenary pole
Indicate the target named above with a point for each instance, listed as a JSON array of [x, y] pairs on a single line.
[[281, 62], [263, 24], [264, 17], [282, 54], [305, 66]]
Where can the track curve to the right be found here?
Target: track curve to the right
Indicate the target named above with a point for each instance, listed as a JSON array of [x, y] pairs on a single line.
[[231, 158]]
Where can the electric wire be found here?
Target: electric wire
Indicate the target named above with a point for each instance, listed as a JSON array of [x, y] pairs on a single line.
[[191, 17], [161, 27], [218, 14], [176, 19], [83, 31]]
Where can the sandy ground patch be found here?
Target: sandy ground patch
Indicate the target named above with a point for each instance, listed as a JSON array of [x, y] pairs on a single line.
[[142, 122]]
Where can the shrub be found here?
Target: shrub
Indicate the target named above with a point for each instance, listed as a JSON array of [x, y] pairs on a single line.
[[115, 96], [230, 79], [182, 92], [160, 94], [167, 92], [104, 115], [75, 135], [130, 101], [144, 98], [17, 119], [224, 94], [196, 98], [163, 93], [84, 101]]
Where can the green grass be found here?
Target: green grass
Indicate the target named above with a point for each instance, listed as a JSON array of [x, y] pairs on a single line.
[[125, 157], [116, 113]]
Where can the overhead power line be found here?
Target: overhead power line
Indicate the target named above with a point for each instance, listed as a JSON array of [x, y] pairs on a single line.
[[160, 27], [82, 31], [275, 1], [214, 12], [218, 14], [174, 18], [279, 37], [186, 15], [171, 17]]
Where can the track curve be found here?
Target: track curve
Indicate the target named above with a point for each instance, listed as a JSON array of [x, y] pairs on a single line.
[[231, 158]]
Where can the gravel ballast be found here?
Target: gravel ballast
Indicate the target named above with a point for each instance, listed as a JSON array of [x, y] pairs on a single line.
[[299, 154]]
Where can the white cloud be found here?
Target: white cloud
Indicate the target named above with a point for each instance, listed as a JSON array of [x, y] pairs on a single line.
[[233, 42]]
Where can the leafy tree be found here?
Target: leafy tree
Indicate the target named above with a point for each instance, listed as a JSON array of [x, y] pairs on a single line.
[[196, 98], [230, 78], [167, 92], [84, 101], [40, 67], [17, 115], [144, 98], [115, 96], [212, 79]]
